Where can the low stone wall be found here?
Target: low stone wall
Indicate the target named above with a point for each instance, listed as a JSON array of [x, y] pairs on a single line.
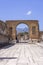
[[3, 39]]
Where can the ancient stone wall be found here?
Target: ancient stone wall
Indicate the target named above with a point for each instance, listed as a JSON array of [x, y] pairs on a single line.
[[33, 27], [3, 33]]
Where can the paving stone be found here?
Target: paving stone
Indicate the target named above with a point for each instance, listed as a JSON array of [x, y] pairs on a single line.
[[22, 54]]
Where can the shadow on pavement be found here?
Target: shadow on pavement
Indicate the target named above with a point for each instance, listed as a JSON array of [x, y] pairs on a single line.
[[4, 46], [8, 57], [2, 58]]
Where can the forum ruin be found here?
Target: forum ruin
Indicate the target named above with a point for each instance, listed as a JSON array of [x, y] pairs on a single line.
[[8, 29]]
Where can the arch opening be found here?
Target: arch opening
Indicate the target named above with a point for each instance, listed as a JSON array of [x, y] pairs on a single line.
[[22, 32]]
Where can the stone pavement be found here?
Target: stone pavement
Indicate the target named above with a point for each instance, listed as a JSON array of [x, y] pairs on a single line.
[[22, 54]]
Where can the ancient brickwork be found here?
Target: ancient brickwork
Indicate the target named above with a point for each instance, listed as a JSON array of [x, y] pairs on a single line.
[[4, 37], [33, 27]]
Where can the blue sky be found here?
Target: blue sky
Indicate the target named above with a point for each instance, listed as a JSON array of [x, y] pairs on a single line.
[[22, 10]]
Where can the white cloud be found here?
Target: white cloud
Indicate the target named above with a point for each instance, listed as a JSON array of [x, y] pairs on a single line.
[[29, 13]]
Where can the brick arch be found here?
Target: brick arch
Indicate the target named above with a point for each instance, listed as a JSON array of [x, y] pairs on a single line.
[[30, 23], [18, 36], [22, 23]]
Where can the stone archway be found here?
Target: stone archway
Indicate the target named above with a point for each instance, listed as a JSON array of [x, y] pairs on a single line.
[[22, 32], [33, 27]]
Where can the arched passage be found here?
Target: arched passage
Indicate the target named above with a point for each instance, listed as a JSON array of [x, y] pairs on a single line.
[[22, 31], [33, 27]]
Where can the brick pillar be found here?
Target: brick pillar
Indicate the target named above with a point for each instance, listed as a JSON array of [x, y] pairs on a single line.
[[14, 33]]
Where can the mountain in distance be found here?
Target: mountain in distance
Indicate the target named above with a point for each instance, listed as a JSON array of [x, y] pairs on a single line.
[[19, 30]]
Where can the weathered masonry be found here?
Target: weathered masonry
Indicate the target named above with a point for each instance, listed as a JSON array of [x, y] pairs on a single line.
[[33, 27], [8, 29]]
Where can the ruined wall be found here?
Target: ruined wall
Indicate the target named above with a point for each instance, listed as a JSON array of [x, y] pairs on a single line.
[[41, 35], [3, 33], [33, 24]]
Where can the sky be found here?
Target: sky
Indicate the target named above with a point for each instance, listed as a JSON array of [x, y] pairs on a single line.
[[22, 28], [22, 10], [22, 25]]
